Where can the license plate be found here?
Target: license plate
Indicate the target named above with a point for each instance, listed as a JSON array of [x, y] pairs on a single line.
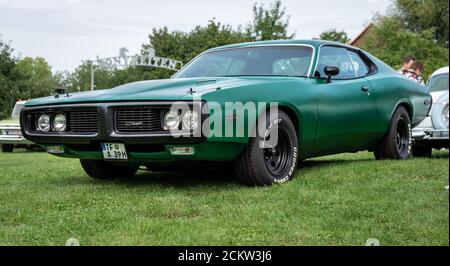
[[114, 151]]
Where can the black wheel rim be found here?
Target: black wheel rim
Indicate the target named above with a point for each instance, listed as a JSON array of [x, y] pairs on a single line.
[[277, 158], [402, 137]]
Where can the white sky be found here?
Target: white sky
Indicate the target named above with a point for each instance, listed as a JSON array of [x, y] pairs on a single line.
[[68, 31]]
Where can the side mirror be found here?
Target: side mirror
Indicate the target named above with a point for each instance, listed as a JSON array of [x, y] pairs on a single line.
[[331, 71]]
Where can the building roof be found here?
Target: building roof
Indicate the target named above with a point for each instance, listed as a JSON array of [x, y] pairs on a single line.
[[360, 35]]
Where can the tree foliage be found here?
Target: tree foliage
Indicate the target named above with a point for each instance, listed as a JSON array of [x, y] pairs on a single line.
[[22, 79], [423, 15], [178, 45], [8, 78], [185, 46], [414, 27], [36, 78], [269, 24], [390, 42], [334, 35]]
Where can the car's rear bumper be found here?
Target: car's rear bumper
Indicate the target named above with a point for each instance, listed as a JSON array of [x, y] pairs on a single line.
[[430, 134], [435, 138]]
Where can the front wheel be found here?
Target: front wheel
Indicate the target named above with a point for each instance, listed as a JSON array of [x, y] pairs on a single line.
[[264, 165], [105, 170], [396, 144]]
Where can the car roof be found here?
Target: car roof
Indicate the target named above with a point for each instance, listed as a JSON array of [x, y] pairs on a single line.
[[314, 43], [442, 70]]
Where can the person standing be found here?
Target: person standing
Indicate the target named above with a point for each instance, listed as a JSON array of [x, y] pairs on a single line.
[[415, 71], [407, 63]]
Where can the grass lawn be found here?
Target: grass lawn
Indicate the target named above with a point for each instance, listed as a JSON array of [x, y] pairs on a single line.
[[335, 200]]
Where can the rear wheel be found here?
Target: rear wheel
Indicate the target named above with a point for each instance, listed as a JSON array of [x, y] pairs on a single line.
[[264, 166], [7, 148], [420, 150], [396, 144], [105, 170]]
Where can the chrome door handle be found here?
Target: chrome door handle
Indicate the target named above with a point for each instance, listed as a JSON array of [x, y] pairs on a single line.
[[364, 88]]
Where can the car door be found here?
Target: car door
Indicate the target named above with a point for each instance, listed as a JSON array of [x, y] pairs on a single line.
[[345, 106]]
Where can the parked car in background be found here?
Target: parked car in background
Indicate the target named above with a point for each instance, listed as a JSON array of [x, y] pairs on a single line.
[[10, 133], [331, 97], [432, 133]]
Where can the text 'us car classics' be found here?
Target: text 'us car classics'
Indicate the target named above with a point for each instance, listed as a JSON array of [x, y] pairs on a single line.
[[262, 107]]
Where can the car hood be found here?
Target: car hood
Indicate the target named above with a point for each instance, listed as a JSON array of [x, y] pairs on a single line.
[[163, 90]]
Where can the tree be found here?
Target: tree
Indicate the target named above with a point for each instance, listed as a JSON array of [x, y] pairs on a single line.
[[185, 46], [390, 42], [22, 78], [269, 24], [8, 78], [334, 35], [422, 15], [171, 44], [80, 78], [36, 78]]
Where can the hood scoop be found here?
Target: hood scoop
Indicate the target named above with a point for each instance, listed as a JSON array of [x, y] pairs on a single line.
[[205, 81]]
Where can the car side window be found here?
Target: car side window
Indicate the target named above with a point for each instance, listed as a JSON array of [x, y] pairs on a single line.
[[335, 56], [438, 83], [358, 63]]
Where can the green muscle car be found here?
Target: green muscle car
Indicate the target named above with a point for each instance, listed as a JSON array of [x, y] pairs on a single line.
[[261, 106]]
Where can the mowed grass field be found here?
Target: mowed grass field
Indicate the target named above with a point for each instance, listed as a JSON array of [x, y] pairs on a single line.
[[335, 200]]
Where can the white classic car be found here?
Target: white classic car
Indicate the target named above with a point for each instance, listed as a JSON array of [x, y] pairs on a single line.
[[432, 133], [10, 133]]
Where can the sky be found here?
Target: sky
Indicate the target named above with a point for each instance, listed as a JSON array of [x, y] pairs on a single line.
[[65, 32]]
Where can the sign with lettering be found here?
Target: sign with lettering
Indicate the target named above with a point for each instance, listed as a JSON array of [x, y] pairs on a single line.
[[147, 58]]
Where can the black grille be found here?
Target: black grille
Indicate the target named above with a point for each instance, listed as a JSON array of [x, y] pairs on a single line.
[[83, 121], [138, 120]]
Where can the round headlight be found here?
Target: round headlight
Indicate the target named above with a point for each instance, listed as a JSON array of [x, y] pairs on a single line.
[[190, 120], [43, 123], [171, 120], [60, 122]]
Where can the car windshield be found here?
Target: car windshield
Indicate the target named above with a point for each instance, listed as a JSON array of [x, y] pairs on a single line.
[[251, 61], [16, 110], [438, 83]]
